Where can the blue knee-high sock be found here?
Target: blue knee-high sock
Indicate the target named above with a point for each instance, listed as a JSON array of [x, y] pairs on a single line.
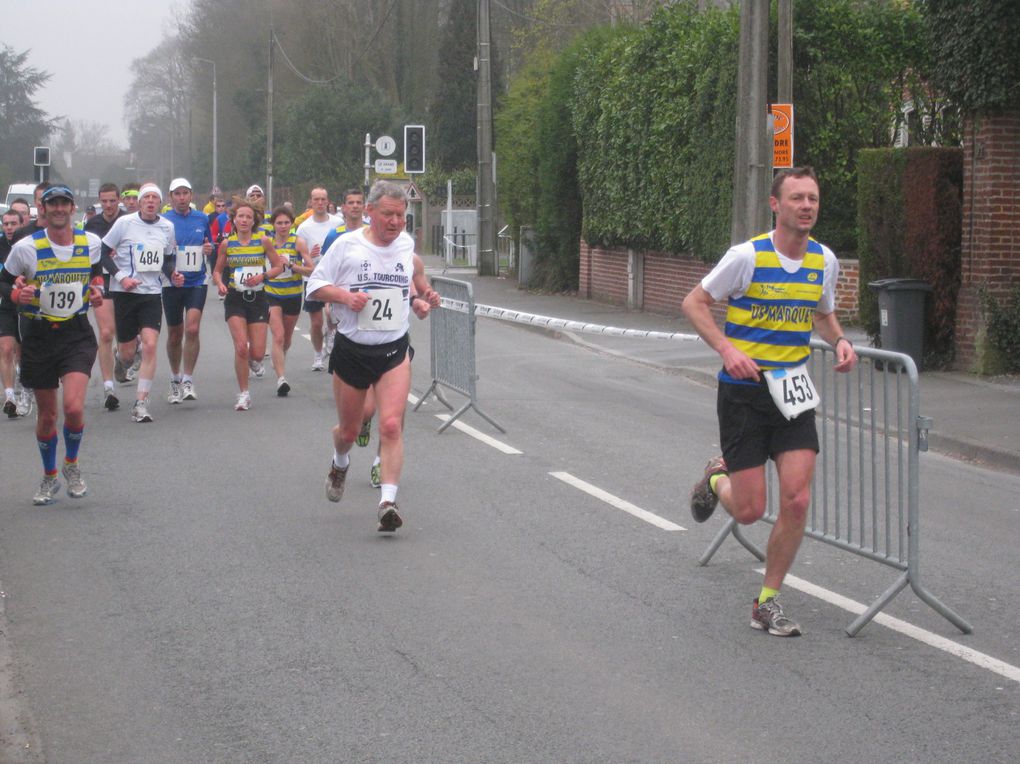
[[48, 452], [72, 442]]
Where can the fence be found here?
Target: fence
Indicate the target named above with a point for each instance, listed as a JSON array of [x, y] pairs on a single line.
[[866, 487], [452, 348]]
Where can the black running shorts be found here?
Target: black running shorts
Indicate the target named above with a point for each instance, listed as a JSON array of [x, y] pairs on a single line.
[[252, 306], [51, 349], [291, 306], [361, 366], [177, 301], [134, 312], [752, 430]]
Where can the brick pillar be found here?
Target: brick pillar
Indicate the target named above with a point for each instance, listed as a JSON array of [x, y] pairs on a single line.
[[991, 230]]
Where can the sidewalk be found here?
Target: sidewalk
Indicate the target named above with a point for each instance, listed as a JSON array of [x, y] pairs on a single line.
[[975, 419]]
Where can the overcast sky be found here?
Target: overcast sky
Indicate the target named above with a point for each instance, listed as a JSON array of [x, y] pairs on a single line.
[[87, 47]]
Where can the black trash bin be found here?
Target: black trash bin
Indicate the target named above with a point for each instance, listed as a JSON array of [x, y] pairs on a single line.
[[901, 315]]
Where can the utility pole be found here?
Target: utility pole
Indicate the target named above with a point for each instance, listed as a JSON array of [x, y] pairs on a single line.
[[269, 127], [487, 265], [784, 91], [751, 175]]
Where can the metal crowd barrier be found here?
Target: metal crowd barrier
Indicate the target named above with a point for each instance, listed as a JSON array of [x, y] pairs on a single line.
[[452, 348], [865, 490]]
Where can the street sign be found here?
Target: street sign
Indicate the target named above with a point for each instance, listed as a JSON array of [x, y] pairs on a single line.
[[385, 145], [782, 134], [385, 166], [93, 187]]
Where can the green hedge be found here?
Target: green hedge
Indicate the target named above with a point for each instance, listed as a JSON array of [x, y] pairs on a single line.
[[909, 223]]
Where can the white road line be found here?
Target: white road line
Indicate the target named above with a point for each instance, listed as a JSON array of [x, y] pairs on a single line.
[[615, 501], [907, 629], [412, 399], [469, 430]]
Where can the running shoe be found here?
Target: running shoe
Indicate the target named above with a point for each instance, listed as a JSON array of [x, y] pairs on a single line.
[[26, 403], [75, 483], [375, 476], [131, 374], [366, 433], [140, 412], [282, 387], [174, 396], [769, 616], [111, 402], [703, 498], [389, 520], [119, 369], [243, 401], [258, 369], [11, 407], [188, 391], [317, 364], [48, 488], [335, 481]]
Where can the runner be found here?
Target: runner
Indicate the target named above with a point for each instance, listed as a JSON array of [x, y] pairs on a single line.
[[367, 275], [10, 337], [137, 251], [183, 305], [778, 285], [284, 293], [311, 234], [52, 276], [100, 225], [246, 308]]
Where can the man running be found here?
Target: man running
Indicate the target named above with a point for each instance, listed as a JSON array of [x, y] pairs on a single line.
[[367, 275], [100, 225], [52, 276], [777, 284], [183, 305], [139, 249], [311, 234], [10, 338]]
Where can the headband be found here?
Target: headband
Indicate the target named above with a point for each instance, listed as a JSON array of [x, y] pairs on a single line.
[[150, 188], [129, 193]]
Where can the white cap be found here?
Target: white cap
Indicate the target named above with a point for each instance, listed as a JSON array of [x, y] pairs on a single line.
[[179, 183], [254, 187]]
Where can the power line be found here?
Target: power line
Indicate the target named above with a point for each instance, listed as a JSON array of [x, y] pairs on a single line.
[[294, 69]]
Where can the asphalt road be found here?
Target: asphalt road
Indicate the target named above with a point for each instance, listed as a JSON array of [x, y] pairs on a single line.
[[205, 603]]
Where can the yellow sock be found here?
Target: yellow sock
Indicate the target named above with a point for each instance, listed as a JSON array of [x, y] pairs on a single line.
[[766, 594], [715, 479]]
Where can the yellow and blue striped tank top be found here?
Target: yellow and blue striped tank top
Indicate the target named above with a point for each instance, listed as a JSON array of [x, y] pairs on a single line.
[[287, 286], [239, 255], [772, 321], [50, 270]]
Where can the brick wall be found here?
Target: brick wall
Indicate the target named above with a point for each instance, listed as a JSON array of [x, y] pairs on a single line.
[[668, 278], [991, 229]]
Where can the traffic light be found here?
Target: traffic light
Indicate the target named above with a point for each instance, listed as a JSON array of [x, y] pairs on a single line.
[[414, 148], [42, 156]]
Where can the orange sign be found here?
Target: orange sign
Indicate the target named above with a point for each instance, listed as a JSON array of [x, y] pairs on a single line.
[[782, 134]]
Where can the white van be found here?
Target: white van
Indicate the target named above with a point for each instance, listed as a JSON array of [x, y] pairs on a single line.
[[24, 191]]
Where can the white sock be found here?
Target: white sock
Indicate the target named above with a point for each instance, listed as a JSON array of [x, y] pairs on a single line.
[[9, 392], [186, 378], [388, 493], [341, 461], [377, 460], [175, 378], [107, 384]]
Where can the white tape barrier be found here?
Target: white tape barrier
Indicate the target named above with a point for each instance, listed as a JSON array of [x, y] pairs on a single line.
[[548, 322]]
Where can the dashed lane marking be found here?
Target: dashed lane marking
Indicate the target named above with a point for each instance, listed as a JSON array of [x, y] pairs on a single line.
[[907, 629], [478, 435], [615, 501]]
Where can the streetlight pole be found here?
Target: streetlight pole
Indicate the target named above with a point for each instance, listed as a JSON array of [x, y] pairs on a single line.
[[215, 135]]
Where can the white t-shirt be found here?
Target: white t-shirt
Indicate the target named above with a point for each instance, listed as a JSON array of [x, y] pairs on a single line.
[[354, 263], [22, 259], [313, 232], [139, 247], [733, 273]]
